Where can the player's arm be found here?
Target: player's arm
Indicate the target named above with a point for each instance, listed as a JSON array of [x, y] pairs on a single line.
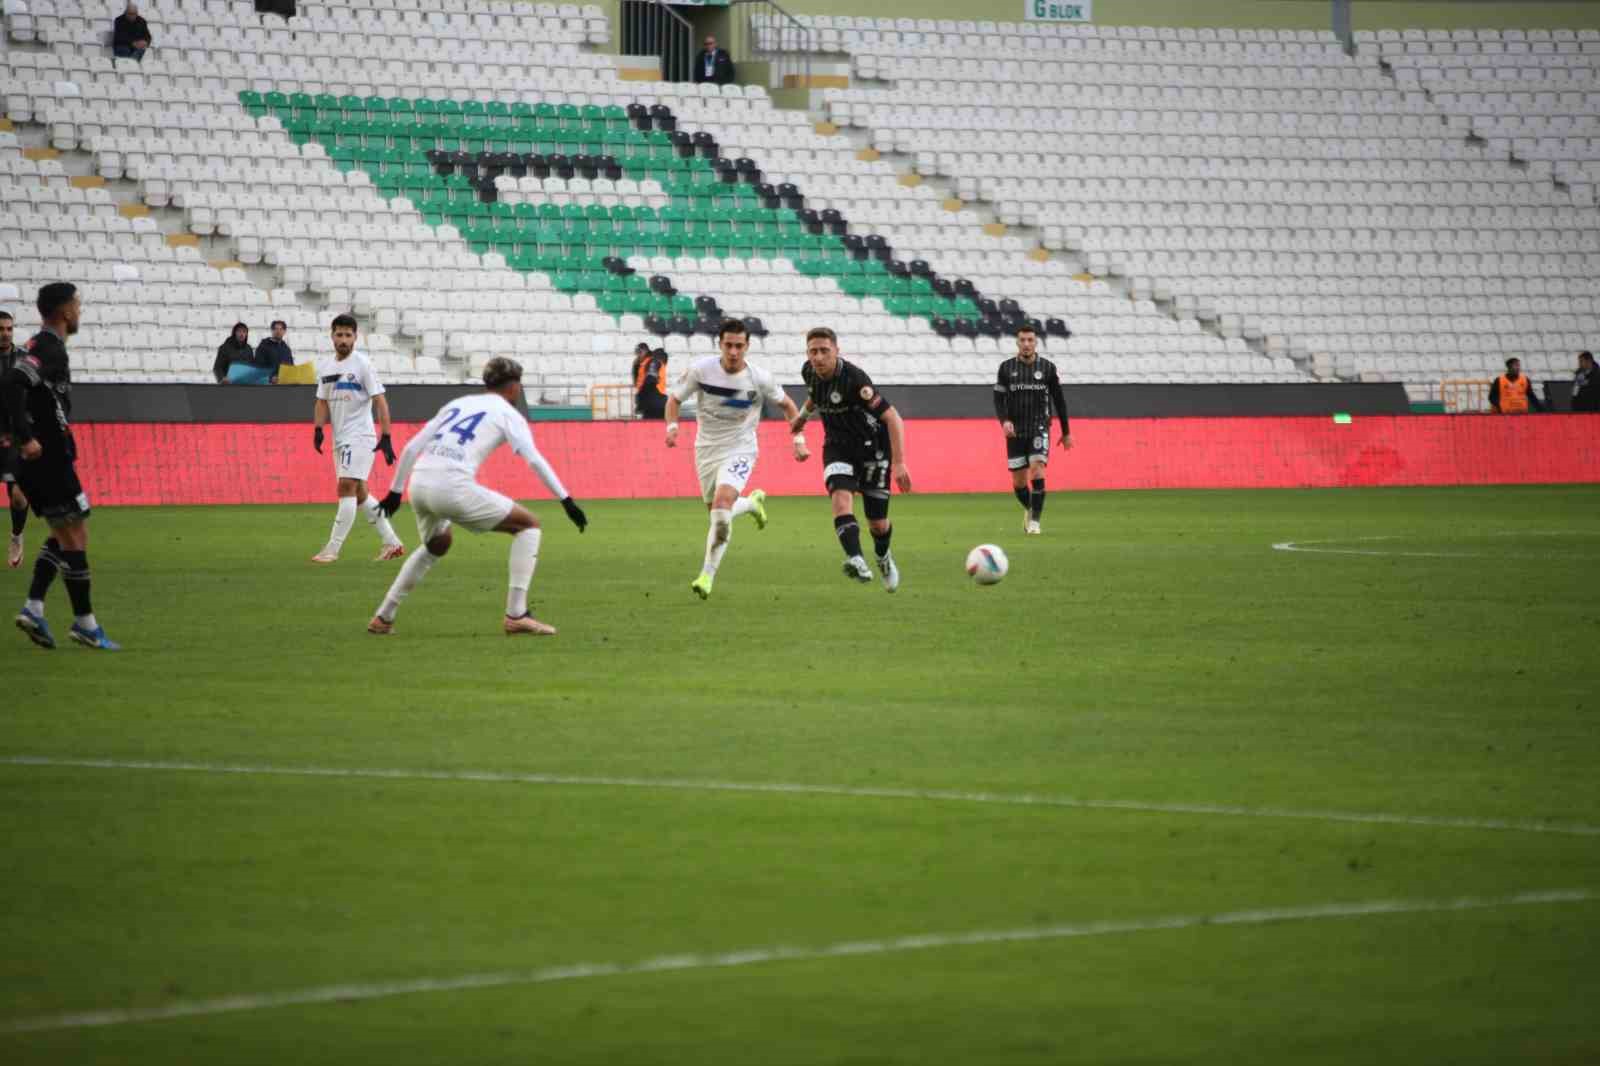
[[675, 398], [408, 459], [793, 416], [897, 447], [319, 418], [14, 388], [522, 444], [1060, 400], [1002, 394], [1494, 395], [380, 407], [798, 422]]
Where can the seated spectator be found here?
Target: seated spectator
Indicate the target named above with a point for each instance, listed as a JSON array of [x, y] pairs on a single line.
[[274, 351], [1512, 393], [130, 34], [1586, 385], [238, 364], [649, 381]]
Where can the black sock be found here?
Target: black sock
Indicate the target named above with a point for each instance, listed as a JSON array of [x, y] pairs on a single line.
[[75, 574], [849, 534], [1021, 493], [19, 519], [44, 569], [1038, 498], [880, 543]]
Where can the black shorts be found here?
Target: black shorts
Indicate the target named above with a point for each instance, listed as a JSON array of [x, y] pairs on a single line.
[[862, 468], [53, 490], [1026, 447]]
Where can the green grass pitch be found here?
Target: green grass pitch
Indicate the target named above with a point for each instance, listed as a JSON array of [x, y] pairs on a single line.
[[1211, 701]]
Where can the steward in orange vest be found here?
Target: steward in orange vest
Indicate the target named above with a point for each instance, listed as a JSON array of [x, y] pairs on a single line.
[[1511, 393]]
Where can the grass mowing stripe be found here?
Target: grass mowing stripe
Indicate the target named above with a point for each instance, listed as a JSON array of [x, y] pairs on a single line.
[[791, 788], [755, 956]]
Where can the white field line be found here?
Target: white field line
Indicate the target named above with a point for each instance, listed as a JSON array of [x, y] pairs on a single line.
[[1003, 799], [1306, 546], [756, 956]]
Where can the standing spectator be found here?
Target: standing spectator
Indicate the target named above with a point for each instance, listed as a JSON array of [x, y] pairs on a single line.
[[274, 351], [713, 64], [1512, 393], [649, 381], [236, 360], [1586, 385], [130, 34]]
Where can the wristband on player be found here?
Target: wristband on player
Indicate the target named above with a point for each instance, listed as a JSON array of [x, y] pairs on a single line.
[[799, 438]]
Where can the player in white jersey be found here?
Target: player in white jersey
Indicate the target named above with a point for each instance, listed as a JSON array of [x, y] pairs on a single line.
[[442, 464], [347, 393], [731, 393]]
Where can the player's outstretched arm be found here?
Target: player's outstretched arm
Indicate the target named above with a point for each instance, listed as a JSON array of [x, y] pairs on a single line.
[[897, 448], [798, 422], [671, 415], [791, 413]]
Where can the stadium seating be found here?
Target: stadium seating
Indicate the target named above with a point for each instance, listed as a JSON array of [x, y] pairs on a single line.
[[477, 182]]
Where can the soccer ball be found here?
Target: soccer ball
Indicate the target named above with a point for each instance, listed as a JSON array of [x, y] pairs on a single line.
[[986, 564]]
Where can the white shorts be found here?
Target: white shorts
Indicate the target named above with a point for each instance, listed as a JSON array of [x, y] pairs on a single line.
[[353, 459], [461, 501], [727, 468]]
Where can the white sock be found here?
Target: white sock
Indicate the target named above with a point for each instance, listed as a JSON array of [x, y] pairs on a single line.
[[376, 518], [415, 569], [717, 538], [524, 557], [343, 519], [35, 607], [86, 621], [742, 506]]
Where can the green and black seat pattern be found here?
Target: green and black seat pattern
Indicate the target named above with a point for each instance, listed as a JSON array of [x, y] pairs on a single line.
[[390, 139]]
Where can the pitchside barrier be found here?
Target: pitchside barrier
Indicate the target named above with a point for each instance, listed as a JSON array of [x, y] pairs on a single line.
[[233, 463]]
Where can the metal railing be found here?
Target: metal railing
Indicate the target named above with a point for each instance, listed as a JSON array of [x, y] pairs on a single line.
[[1462, 396], [764, 32], [651, 27]]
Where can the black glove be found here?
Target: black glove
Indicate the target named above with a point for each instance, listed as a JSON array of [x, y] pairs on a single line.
[[386, 447], [575, 513], [390, 503], [316, 439]]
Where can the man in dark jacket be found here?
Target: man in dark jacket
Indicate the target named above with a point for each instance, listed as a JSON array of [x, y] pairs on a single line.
[[649, 381], [237, 363], [274, 351], [713, 64], [130, 34], [1586, 385]]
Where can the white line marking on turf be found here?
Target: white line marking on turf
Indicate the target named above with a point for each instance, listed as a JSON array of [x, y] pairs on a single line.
[[1007, 799], [756, 956], [1303, 545]]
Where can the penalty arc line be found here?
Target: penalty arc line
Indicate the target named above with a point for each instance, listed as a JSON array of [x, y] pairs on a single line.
[[775, 954], [1004, 799]]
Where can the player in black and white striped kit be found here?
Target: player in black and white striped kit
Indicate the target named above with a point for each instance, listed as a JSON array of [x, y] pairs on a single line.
[[1025, 392]]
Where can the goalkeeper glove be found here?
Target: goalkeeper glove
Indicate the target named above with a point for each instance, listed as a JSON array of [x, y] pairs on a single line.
[[386, 447]]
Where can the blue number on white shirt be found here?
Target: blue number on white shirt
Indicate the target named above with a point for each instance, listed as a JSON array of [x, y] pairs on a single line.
[[465, 431]]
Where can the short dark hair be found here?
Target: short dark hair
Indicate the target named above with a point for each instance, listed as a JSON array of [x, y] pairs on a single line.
[[278, 322], [1026, 328], [54, 296], [237, 326], [345, 322], [820, 332], [641, 347], [1581, 355], [501, 371], [1513, 359], [732, 325], [7, 316]]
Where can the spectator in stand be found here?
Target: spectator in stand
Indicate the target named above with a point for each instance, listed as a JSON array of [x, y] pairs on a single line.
[[130, 34], [1512, 393], [713, 64], [1586, 385], [274, 351], [649, 381], [239, 364]]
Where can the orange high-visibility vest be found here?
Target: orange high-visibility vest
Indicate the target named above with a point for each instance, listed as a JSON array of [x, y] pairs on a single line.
[[1514, 395]]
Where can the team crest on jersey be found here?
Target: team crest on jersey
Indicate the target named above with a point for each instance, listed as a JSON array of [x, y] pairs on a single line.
[[1038, 375], [866, 393], [834, 397]]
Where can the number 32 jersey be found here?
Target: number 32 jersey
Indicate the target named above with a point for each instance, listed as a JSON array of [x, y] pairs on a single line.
[[467, 431]]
